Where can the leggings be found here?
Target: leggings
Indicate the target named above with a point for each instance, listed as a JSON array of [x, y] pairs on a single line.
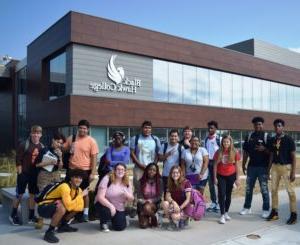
[[225, 185]]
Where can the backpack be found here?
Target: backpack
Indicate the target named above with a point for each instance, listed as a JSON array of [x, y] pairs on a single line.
[[218, 140], [103, 167], [27, 144], [47, 189], [67, 155], [179, 150], [154, 138], [265, 137], [196, 208]]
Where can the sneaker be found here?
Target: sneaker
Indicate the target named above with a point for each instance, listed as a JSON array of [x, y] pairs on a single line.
[[172, 226], [39, 224], [227, 217], [293, 219], [265, 214], [14, 220], [273, 215], [66, 228], [217, 208], [32, 220], [222, 220], [50, 237], [85, 218], [246, 211], [181, 224], [159, 217], [211, 207], [104, 227]]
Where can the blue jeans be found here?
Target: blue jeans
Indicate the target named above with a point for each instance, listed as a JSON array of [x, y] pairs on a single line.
[[259, 173]]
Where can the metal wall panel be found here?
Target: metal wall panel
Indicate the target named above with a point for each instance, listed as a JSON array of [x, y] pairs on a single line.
[[90, 66]]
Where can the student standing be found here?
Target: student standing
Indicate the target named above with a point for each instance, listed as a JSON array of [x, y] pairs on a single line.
[[283, 167], [226, 175], [27, 173]]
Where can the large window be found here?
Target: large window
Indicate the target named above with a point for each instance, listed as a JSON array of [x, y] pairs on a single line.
[[189, 84], [215, 88], [160, 77], [202, 86], [226, 89], [57, 76], [175, 84], [178, 83]]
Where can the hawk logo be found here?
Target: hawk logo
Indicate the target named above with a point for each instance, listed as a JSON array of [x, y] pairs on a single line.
[[115, 74]]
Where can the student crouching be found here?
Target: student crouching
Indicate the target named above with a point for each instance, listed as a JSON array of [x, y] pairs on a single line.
[[113, 192]]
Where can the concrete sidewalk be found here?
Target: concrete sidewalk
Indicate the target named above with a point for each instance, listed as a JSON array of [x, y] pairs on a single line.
[[207, 231]]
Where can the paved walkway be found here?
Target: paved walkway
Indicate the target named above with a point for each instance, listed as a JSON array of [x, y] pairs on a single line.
[[207, 231]]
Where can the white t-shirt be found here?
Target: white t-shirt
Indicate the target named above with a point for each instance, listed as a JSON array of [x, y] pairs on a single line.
[[193, 163], [172, 160], [146, 148], [211, 147]]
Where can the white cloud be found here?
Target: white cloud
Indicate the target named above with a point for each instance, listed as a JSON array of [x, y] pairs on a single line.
[[295, 49]]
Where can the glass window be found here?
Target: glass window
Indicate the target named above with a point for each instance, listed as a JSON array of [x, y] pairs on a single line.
[[274, 97], [257, 94], [57, 76], [202, 86], [189, 84], [237, 139], [247, 92], [161, 133], [215, 88], [175, 82], [160, 80], [100, 135], [289, 99], [237, 92], [226, 89], [266, 95], [282, 97], [297, 100]]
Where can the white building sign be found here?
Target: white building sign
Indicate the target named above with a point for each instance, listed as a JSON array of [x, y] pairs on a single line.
[[119, 83]]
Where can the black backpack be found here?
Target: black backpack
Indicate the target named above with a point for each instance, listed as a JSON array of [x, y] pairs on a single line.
[[67, 155], [103, 167], [42, 196]]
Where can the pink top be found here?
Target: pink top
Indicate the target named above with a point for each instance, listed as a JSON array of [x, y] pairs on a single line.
[[150, 191], [115, 193]]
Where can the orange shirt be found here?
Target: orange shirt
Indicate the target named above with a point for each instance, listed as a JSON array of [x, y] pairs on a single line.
[[84, 149]]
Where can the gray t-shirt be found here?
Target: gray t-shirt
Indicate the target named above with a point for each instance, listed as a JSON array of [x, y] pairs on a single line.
[[172, 160], [146, 146], [193, 163]]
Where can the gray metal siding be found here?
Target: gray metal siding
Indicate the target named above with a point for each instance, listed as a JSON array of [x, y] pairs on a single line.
[[90, 65], [276, 54]]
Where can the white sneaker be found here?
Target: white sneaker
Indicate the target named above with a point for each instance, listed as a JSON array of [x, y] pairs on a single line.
[[222, 220], [246, 211], [265, 214], [227, 217], [104, 228]]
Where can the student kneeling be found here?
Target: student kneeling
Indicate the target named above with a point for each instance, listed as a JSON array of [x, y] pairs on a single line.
[[113, 192], [61, 204]]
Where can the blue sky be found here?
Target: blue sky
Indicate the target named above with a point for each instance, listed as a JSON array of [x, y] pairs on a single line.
[[215, 22]]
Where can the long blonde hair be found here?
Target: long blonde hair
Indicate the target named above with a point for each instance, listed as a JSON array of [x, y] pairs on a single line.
[[125, 179], [231, 152], [171, 184]]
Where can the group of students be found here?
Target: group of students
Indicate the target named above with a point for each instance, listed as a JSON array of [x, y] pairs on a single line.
[[187, 167]]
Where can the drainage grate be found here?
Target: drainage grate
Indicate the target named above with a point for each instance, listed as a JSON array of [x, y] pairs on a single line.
[[253, 236]]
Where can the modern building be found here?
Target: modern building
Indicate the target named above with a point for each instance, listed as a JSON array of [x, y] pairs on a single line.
[[117, 75]]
